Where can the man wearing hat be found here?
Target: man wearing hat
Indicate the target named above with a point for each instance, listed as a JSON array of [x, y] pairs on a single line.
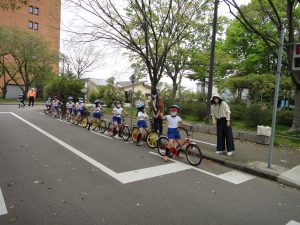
[[157, 110], [220, 113], [31, 95]]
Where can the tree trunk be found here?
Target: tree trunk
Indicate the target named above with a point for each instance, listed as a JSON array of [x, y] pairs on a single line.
[[174, 91], [296, 120]]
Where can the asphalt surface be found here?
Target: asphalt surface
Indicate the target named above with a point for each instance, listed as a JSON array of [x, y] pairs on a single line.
[[55, 173]]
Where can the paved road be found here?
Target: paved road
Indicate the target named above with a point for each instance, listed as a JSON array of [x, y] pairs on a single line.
[[55, 173]]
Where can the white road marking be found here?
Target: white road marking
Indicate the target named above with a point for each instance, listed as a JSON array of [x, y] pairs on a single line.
[[293, 222], [204, 142], [155, 171], [236, 177], [3, 209], [41, 113], [100, 134], [141, 174], [233, 176], [63, 121], [4, 112]]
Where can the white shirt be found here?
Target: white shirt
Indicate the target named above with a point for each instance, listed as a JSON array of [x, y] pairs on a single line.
[[173, 121], [79, 105], [142, 115], [118, 111], [69, 105], [97, 109], [55, 103], [220, 111]]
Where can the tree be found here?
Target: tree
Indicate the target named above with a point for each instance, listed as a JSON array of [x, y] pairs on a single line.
[[81, 60], [265, 19], [24, 57], [12, 4], [149, 29]]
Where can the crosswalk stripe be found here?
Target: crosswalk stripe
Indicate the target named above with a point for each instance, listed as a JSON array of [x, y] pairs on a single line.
[[3, 209]]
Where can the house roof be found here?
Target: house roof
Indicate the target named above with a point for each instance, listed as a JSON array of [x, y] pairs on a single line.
[[98, 82], [124, 84]]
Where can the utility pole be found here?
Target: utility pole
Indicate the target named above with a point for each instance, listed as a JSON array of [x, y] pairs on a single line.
[[212, 61]]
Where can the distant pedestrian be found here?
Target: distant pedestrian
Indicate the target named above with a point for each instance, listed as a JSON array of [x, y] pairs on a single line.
[[31, 95], [220, 113], [157, 110]]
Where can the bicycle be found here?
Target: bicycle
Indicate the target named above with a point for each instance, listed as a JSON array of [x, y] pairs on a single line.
[[84, 120], [56, 111], [150, 136], [192, 152], [98, 123], [124, 131]]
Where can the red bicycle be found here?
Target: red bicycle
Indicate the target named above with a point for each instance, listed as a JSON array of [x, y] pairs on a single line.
[[192, 152]]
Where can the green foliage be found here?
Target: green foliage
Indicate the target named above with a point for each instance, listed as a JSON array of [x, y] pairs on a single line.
[[63, 88], [258, 114], [12, 4], [285, 118]]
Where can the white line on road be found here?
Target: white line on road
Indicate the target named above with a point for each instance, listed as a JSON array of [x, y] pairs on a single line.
[[235, 177], [4, 112], [204, 142], [63, 121], [3, 209], [100, 134], [292, 222], [141, 174], [41, 113]]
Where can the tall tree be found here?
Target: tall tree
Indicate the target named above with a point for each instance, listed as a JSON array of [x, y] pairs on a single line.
[[12, 4], [265, 19], [148, 29]]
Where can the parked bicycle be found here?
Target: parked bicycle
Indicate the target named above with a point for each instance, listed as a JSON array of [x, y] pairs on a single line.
[[192, 152], [98, 123], [82, 120], [124, 131], [150, 136]]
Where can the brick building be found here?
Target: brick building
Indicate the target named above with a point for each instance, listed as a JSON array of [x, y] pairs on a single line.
[[37, 16]]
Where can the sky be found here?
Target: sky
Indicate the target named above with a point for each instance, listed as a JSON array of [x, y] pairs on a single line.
[[113, 62]]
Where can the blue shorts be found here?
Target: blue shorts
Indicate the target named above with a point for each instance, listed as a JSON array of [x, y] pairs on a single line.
[[69, 110], [173, 133], [117, 119], [142, 124], [97, 115], [56, 107], [79, 111]]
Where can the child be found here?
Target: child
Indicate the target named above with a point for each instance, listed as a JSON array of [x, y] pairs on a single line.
[[117, 118], [69, 107], [141, 121], [48, 105], [56, 106], [98, 109], [79, 109], [173, 133], [21, 100]]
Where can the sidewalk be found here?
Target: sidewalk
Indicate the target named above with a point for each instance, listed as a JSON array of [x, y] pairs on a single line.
[[253, 158]]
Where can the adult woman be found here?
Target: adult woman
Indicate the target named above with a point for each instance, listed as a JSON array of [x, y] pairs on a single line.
[[157, 110], [220, 113]]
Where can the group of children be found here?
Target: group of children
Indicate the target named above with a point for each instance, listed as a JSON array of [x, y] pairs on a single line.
[[173, 120]]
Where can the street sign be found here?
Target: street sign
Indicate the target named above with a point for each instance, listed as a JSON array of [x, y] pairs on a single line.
[[132, 78], [296, 57]]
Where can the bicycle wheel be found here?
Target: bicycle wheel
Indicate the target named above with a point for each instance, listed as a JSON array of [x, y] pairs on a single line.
[[151, 139], [125, 133], [162, 145], [110, 129], [84, 122], [134, 134], [102, 126], [95, 124], [193, 154]]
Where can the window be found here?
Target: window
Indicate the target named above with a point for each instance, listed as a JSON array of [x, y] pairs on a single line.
[[36, 26], [30, 9], [30, 25], [36, 11]]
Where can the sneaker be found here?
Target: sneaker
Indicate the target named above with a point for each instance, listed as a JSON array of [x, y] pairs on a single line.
[[230, 153], [219, 152], [138, 144]]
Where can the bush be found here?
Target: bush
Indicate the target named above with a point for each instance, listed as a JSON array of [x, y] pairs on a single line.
[[238, 111], [258, 114], [285, 118], [63, 88]]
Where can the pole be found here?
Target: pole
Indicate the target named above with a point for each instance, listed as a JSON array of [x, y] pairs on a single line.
[[212, 61], [278, 72], [132, 105]]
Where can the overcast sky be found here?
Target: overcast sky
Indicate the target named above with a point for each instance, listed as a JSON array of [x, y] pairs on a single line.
[[115, 63]]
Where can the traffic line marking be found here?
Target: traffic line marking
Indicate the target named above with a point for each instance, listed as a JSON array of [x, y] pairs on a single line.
[[204, 142], [94, 132], [3, 209], [150, 172], [234, 176], [293, 222], [145, 173]]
